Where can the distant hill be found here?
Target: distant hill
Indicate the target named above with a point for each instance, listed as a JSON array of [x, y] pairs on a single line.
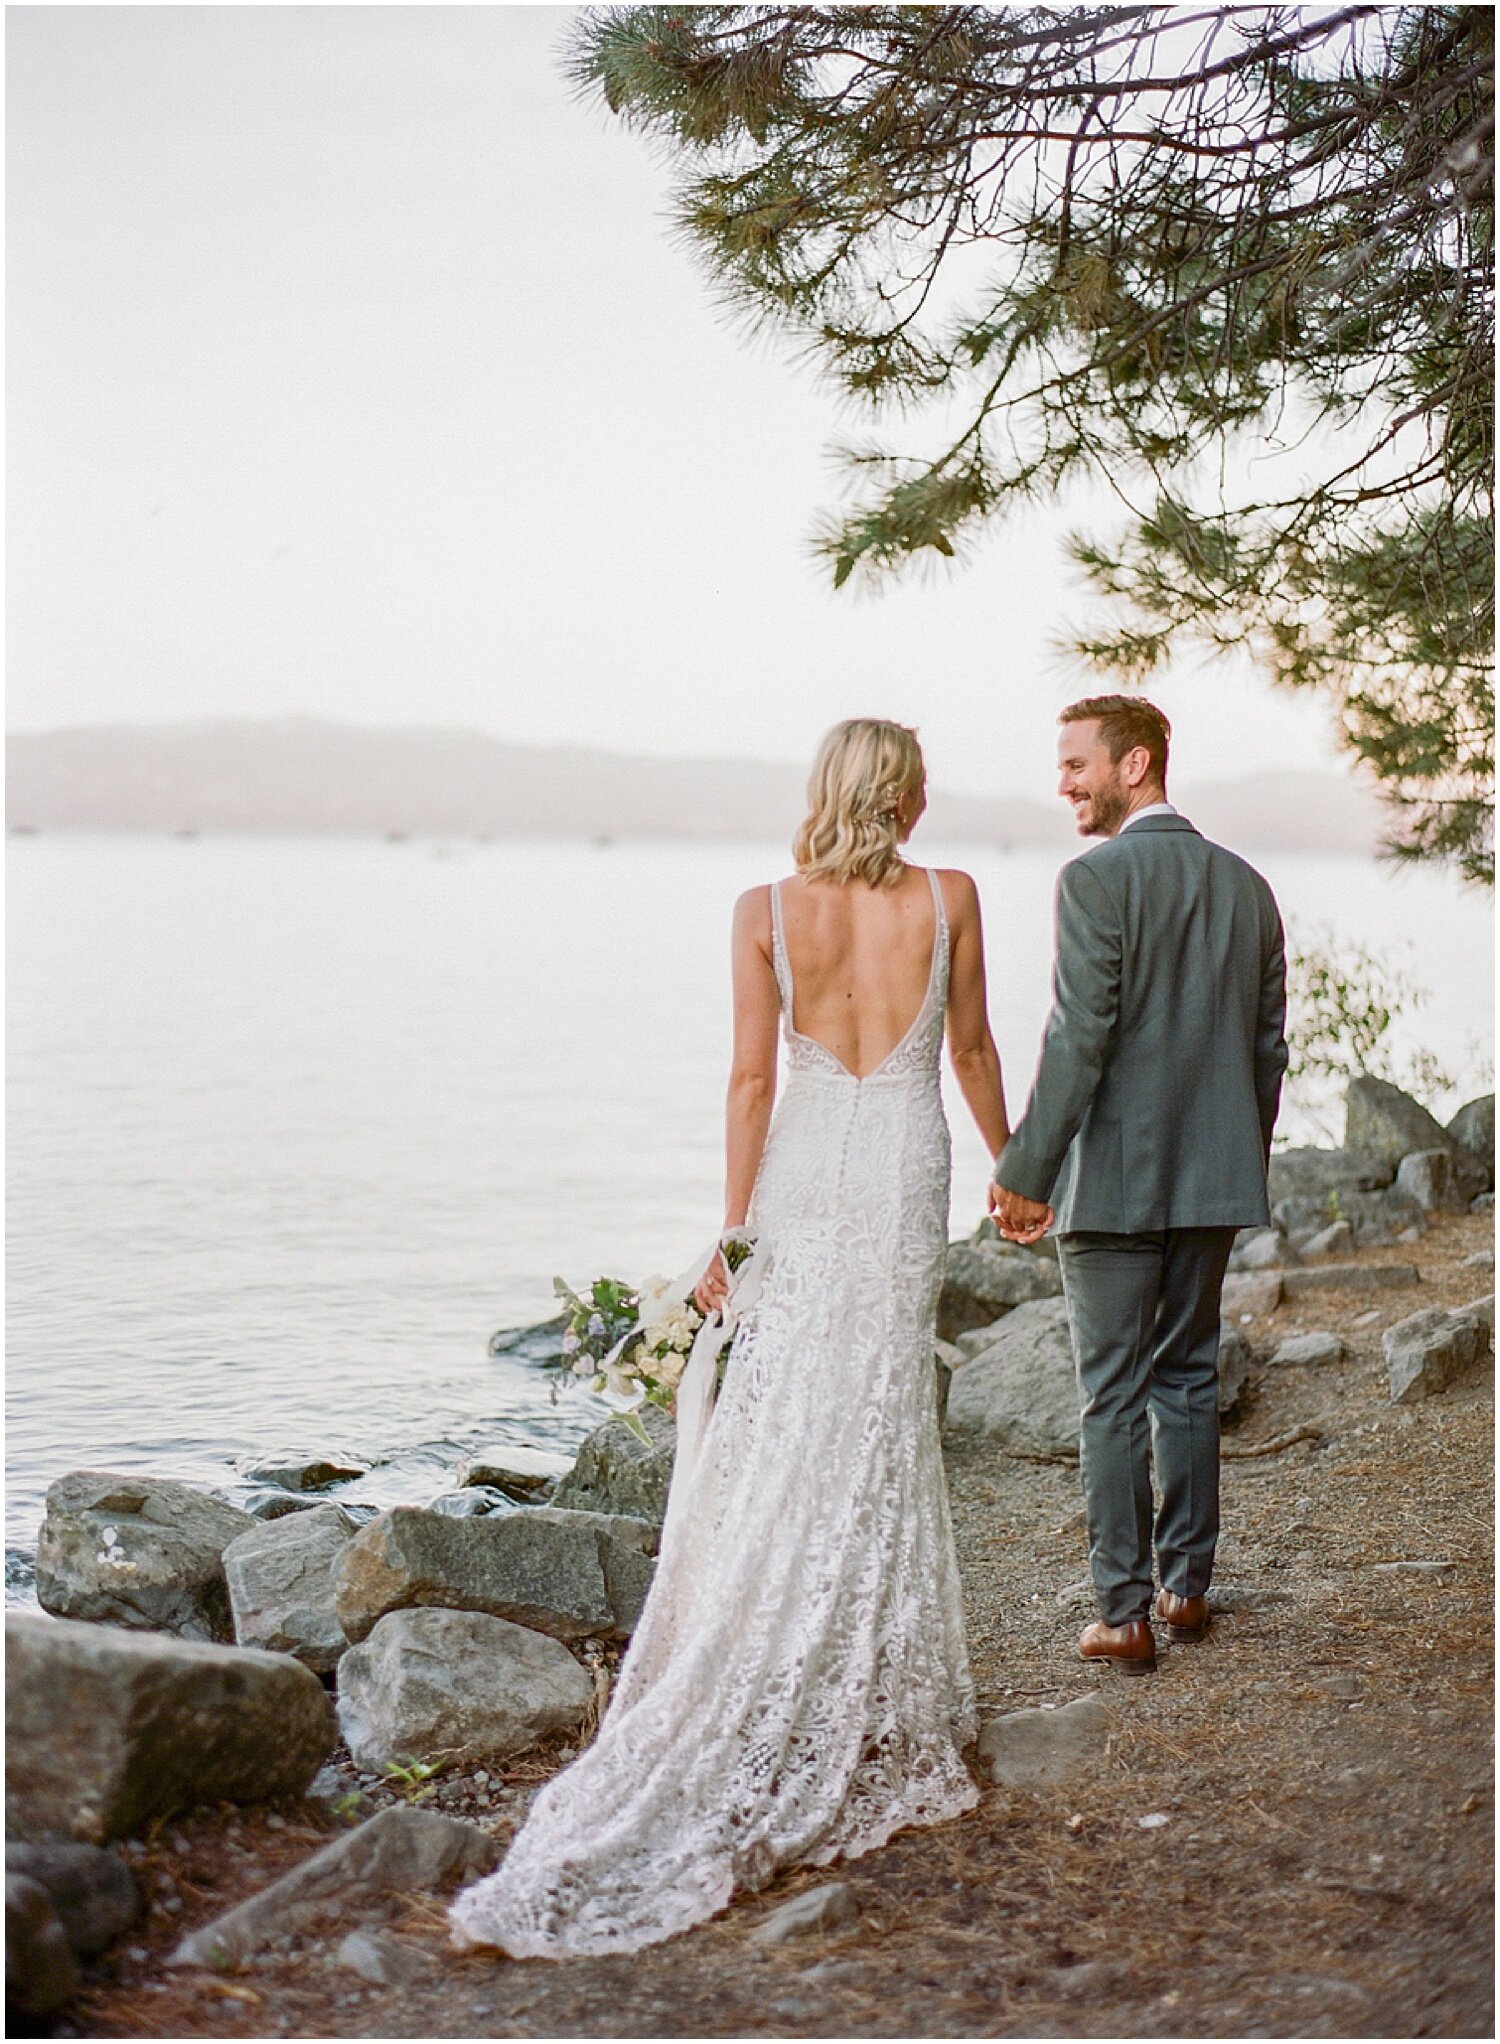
[[301, 774]]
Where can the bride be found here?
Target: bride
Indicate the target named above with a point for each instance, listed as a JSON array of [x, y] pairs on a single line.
[[798, 1686]]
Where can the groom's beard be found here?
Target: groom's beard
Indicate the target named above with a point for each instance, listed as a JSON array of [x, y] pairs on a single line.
[[1102, 813]]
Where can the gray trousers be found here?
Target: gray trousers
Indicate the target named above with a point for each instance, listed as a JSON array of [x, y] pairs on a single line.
[[1144, 1315]]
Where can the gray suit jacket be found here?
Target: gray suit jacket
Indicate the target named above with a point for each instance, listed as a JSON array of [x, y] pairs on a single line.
[[1161, 1068]]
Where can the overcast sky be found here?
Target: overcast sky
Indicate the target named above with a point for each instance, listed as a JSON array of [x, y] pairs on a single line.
[[353, 371]]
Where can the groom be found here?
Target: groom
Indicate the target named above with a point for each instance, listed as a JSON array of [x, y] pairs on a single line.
[[1145, 1141]]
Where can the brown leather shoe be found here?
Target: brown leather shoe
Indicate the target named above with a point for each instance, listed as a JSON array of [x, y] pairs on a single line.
[[1186, 1618], [1129, 1649]]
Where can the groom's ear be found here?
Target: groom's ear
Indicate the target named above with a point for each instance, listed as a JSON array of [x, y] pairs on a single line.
[[1137, 765]]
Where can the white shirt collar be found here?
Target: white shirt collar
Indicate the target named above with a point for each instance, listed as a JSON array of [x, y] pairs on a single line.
[[1151, 809]]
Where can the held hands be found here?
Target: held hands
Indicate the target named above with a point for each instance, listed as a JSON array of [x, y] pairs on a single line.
[[1019, 1219]]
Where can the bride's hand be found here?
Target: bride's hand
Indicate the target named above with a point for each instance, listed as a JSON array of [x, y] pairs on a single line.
[[713, 1287]]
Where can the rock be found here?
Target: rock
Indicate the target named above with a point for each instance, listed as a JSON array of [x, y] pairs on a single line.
[[93, 1891], [561, 1572], [137, 1550], [476, 1503], [1254, 1292], [1343, 1688], [617, 1472], [1484, 1311], [1036, 1749], [1427, 1350], [1230, 1598], [1316, 1349], [1431, 1178], [457, 1686], [1351, 1277], [541, 1343], [944, 1362], [1262, 1249], [983, 1281], [400, 1852], [1434, 1571], [107, 1727], [1373, 1218], [281, 1579], [40, 1970], [277, 1504], [1022, 1389], [383, 1961], [1234, 1366], [1384, 1124], [1473, 1129], [1482, 1259], [1336, 1240], [1313, 1174], [305, 1472], [824, 1908], [522, 1473], [1484, 1204]]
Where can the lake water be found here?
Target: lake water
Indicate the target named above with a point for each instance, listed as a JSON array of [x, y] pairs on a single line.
[[296, 1124]]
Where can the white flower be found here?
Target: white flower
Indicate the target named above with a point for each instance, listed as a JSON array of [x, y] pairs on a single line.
[[584, 1367], [569, 1342], [669, 1370], [596, 1323], [620, 1381], [653, 1299]]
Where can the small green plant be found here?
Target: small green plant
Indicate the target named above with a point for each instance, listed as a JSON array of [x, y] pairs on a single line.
[[346, 1807], [412, 1777]]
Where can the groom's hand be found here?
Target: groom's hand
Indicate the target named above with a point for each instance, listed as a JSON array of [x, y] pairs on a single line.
[[1019, 1219]]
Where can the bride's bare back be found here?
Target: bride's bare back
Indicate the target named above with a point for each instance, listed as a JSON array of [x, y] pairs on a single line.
[[861, 960]]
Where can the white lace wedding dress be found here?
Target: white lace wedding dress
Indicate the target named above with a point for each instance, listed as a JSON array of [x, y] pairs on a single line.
[[798, 1687]]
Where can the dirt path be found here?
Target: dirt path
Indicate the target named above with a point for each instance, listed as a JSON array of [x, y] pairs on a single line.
[[1324, 1763]]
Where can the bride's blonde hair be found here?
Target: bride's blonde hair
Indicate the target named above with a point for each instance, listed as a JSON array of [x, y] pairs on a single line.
[[863, 769]]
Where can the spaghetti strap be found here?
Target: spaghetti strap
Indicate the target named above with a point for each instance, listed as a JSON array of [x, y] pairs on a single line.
[[781, 964]]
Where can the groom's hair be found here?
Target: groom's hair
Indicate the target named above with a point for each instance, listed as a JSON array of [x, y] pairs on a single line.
[[1124, 723]]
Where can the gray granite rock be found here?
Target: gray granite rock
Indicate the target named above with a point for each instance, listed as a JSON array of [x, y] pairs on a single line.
[[305, 1473], [1234, 1366], [1384, 1124], [1255, 1292], [1317, 1350], [1262, 1249], [1425, 1352], [382, 1960], [1314, 1174], [1351, 1277], [541, 1343], [106, 1727], [1432, 1179], [281, 1584], [1021, 1390], [1334, 1240], [1373, 1218], [92, 1890], [526, 1474], [41, 1972], [567, 1573], [824, 1908], [277, 1504], [455, 1687], [984, 1281], [1040, 1749], [1482, 1203], [137, 1550], [617, 1472], [399, 1852], [1473, 1129]]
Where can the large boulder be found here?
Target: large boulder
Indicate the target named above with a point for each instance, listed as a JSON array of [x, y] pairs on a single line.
[[1261, 1249], [616, 1471], [541, 1344], [105, 1727], [1234, 1366], [570, 1574], [1425, 1352], [1435, 1180], [1385, 1125], [1473, 1129], [137, 1550], [281, 1577], [984, 1280], [399, 1852], [458, 1687], [1312, 1174], [1021, 1390]]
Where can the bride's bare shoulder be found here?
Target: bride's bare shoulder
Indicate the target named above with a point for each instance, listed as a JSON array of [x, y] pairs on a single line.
[[960, 895], [752, 911]]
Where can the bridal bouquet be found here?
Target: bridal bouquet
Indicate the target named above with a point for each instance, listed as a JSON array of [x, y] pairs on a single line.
[[633, 1344]]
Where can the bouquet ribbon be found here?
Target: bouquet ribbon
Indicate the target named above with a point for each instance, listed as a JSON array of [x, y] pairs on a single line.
[[697, 1391]]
